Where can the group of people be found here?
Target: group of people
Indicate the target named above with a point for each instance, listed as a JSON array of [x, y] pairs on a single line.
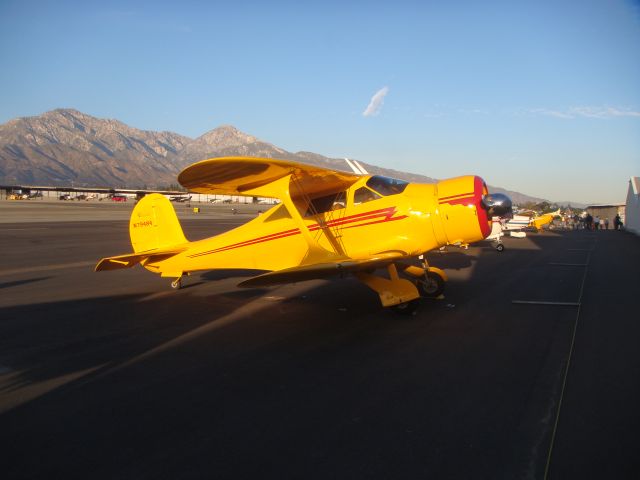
[[595, 223]]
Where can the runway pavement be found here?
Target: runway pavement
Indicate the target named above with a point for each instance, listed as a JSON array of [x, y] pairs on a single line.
[[115, 375]]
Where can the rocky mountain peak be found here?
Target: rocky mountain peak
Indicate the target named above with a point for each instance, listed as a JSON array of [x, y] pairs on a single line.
[[226, 136], [65, 145]]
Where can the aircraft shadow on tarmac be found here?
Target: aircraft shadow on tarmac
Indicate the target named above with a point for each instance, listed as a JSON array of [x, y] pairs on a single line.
[[16, 283], [483, 360], [452, 259], [112, 330]]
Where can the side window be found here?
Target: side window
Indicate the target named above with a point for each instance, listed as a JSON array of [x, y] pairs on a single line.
[[340, 201], [363, 194], [335, 201]]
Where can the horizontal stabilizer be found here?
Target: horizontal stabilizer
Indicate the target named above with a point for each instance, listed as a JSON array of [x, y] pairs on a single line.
[[129, 260], [321, 270]]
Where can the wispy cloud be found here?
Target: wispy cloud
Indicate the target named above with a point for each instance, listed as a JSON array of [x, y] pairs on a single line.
[[550, 113], [376, 103], [604, 112], [587, 112]]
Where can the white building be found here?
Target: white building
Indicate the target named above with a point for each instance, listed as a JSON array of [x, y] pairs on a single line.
[[632, 213]]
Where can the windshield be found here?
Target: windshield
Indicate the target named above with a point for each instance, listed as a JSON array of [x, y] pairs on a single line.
[[386, 186]]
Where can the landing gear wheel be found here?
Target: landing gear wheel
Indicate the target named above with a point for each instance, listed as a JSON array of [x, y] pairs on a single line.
[[406, 308], [177, 283], [500, 247], [431, 286]]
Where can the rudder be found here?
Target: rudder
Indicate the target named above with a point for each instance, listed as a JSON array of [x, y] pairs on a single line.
[[154, 224]]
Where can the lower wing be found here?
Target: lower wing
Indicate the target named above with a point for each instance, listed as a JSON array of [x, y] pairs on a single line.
[[322, 270]]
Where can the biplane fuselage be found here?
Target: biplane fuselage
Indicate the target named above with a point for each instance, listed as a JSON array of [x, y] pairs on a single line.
[[546, 218], [325, 224]]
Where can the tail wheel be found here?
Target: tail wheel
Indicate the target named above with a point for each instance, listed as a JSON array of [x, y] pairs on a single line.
[[500, 247], [177, 283], [431, 286]]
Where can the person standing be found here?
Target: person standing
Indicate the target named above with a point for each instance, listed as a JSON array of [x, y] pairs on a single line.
[[588, 222], [606, 223], [596, 222], [617, 222]]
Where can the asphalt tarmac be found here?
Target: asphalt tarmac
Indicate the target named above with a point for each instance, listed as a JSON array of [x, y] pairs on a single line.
[[528, 368]]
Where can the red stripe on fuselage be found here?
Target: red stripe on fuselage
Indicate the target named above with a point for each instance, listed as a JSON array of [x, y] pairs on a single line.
[[460, 201], [451, 197], [253, 241], [384, 212], [379, 216]]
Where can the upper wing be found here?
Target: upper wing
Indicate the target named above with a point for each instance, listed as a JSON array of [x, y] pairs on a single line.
[[321, 270], [256, 176]]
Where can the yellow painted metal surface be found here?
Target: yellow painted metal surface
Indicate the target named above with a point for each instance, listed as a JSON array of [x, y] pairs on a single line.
[[305, 234], [544, 219]]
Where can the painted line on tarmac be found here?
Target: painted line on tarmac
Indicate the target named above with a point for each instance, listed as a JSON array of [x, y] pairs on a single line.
[[45, 268], [567, 264], [26, 228], [572, 344], [543, 302]]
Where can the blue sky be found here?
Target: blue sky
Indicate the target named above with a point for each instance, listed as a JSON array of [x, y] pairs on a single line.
[[542, 97]]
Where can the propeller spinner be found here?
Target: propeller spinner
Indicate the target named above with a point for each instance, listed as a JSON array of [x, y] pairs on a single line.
[[497, 205]]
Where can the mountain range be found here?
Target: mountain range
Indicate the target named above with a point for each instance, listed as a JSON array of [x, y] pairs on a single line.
[[65, 147]]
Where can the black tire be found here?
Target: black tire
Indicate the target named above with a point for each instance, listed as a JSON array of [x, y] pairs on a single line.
[[177, 284], [500, 247], [432, 286]]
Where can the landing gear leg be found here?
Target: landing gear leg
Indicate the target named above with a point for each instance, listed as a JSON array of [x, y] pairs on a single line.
[[393, 291], [177, 283], [431, 284]]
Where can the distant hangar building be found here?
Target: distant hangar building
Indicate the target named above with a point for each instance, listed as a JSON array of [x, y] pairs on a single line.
[[607, 211], [632, 220]]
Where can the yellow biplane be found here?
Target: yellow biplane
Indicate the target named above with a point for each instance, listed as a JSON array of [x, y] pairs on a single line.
[[329, 223], [540, 221]]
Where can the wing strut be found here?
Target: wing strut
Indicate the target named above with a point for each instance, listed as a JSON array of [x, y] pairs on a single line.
[[316, 252], [331, 236]]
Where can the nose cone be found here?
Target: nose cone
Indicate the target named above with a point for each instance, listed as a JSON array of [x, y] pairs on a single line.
[[497, 205]]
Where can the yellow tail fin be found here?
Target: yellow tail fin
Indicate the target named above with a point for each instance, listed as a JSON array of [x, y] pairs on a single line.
[[154, 225]]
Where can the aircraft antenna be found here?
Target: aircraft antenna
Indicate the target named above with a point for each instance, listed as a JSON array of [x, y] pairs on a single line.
[[360, 167], [353, 167]]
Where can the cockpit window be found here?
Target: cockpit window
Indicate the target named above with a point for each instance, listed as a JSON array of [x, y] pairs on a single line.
[[335, 201], [363, 194], [386, 186]]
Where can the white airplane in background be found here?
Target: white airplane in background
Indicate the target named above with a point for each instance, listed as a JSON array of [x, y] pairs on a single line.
[[514, 225]]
